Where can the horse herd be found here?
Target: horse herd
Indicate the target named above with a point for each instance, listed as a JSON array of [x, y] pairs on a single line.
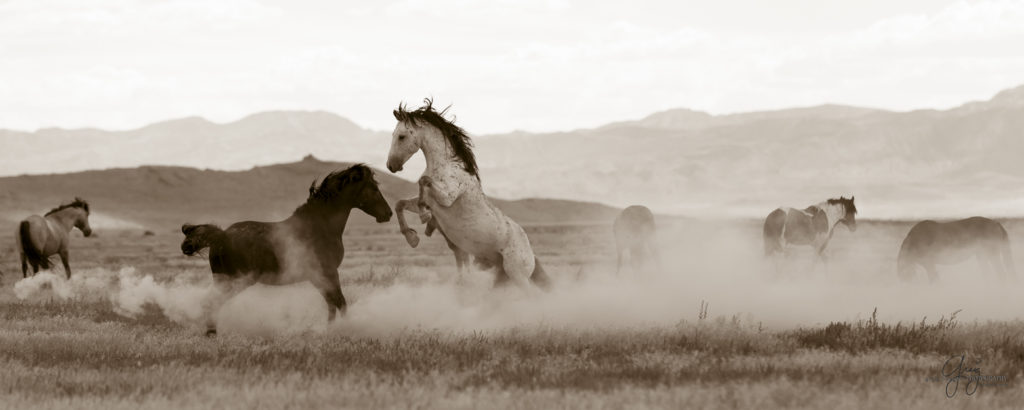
[[308, 246]]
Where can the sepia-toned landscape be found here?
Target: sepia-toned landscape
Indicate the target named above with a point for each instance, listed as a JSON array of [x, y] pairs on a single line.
[[530, 204], [715, 328]]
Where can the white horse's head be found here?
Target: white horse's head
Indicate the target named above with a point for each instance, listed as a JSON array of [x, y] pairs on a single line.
[[428, 130], [405, 141]]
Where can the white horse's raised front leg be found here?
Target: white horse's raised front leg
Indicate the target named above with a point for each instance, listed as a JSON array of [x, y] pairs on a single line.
[[412, 205], [444, 196]]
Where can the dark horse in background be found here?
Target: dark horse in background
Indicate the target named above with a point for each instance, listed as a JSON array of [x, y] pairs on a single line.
[[38, 237], [812, 226], [634, 232], [931, 243], [306, 246]]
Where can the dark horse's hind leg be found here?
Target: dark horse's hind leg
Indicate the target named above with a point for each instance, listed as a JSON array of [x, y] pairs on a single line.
[[24, 266], [335, 303]]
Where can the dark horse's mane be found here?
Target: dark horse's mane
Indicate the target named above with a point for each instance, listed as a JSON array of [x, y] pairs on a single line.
[[77, 203], [323, 193], [847, 203], [455, 135]]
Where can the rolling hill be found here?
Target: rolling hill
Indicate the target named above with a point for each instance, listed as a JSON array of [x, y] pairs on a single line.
[[954, 162], [163, 197]]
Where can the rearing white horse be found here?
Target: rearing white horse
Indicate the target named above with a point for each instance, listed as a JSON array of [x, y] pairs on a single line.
[[453, 197]]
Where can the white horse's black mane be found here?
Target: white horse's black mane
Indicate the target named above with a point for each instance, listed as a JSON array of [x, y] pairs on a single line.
[[456, 136]]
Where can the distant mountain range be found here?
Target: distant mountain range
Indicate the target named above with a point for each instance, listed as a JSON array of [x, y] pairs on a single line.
[[161, 197], [953, 162]]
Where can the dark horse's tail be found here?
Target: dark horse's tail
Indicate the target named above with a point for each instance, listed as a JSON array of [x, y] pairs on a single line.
[[33, 255], [773, 227]]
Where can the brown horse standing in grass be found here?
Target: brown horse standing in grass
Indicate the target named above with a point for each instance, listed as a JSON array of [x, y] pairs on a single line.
[[931, 243], [306, 246], [38, 237], [418, 206], [634, 231]]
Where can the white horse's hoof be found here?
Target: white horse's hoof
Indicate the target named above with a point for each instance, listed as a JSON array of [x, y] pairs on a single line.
[[411, 238]]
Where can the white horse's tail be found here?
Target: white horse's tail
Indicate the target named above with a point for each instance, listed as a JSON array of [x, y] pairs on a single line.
[[539, 277]]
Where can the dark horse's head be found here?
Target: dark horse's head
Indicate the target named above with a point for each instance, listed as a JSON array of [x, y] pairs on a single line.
[[198, 237], [354, 187], [850, 214]]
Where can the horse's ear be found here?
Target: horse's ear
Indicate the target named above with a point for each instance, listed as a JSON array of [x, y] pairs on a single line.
[[185, 228], [851, 198]]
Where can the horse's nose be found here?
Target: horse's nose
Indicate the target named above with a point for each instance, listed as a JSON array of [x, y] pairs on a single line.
[[394, 166]]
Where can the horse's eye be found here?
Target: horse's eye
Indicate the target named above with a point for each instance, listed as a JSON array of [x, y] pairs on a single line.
[[401, 137]]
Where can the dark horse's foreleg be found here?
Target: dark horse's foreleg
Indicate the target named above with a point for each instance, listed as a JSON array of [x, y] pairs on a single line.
[[64, 260], [224, 288], [330, 288]]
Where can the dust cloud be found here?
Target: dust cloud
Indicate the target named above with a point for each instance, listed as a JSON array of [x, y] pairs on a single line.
[[714, 262], [717, 263], [128, 291]]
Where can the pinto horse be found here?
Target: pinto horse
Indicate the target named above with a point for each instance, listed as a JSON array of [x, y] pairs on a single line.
[[306, 246], [38, 237], [812, 226], [454, 198], [931, 243]]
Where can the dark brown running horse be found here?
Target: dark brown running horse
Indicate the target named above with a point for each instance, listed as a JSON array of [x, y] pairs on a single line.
[[38, 237], [634, 232], [812, 226], [418, 206], [931, 243], [306, 246]]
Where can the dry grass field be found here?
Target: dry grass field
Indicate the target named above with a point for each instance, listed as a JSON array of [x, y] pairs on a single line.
[[124, 333]]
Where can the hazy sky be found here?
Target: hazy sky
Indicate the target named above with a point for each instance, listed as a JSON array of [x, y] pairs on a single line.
[[524, 64]]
